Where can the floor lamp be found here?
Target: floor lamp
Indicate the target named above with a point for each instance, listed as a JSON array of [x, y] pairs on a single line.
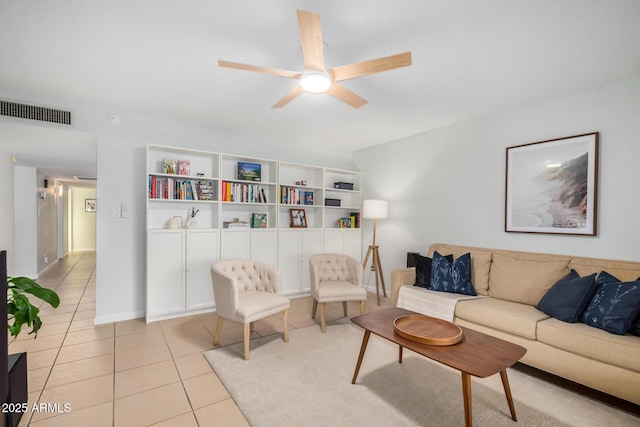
[[375, 210]]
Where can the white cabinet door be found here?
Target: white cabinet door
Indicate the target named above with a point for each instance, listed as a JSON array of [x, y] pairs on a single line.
[[202, 251], [352, 243], [264, 246], [333, 241], [311, 244], [165, 272], [236, 243], [343, 241], [289, 260]]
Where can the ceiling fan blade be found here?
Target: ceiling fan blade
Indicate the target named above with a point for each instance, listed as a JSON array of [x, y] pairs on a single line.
[[311, 37], [259, 69], [345, 95], [296, 92], [360, 69]]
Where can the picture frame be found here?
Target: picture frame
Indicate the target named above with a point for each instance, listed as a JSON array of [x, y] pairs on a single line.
[[90, 205], [249, 171], [552, 186], [298, 218]]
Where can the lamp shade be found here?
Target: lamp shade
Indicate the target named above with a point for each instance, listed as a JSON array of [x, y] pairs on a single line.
[[375, 209]]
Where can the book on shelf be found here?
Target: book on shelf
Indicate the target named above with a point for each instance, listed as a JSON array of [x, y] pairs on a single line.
[[176, 189], [184, 167], [356, 219], [295, 196], [169, 166], [259, 220], [236, 223], [243, 193]]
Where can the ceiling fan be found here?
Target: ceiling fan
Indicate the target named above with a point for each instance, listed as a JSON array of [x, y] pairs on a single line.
[[315, 78]]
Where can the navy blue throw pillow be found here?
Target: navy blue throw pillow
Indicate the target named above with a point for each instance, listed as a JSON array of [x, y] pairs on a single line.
[[567, 299], [614, 307], [454, 277], [423, 269]]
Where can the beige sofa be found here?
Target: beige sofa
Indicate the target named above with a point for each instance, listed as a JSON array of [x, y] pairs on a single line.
[[511, 284]]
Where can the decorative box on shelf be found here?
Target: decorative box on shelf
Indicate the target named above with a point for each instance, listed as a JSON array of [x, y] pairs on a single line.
[[332, 202], [343, 185]]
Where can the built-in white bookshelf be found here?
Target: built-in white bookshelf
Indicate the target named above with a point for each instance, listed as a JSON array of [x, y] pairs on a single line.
[[230, 195]]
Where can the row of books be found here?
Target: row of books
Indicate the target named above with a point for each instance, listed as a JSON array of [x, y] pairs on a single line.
[[352, 221], [243, 193], [295, 196], [173, 189]]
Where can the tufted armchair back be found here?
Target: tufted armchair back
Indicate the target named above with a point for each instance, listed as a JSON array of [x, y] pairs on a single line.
[[232, 276], [334, 268]]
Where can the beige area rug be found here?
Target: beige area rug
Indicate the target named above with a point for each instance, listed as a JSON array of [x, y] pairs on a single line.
[[307, 382]]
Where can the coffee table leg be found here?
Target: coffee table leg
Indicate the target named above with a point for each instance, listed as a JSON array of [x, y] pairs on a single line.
[[507, 392], [466, 392], [363, 348], [399, 354]]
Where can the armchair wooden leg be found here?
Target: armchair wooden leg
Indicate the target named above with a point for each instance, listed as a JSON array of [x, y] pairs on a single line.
[[247, 333], [361, 307], [344, 308], [285, 318], [314, 308], [323, 322], [216, 338]]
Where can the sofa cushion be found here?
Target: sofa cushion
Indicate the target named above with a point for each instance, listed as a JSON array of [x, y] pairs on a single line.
[[614, 307], [423, 269], [524, 279], [480, 263], [568, 297], [514, 318], [578, 338], [454, 277], [625, 271]]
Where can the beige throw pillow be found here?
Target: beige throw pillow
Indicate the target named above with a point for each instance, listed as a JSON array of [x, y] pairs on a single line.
[[523, 280]]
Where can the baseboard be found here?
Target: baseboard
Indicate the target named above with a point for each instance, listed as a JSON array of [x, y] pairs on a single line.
[[101, 320]]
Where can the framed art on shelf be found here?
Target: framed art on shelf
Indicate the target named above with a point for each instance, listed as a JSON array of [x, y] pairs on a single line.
[[298, 218], [90, 205], [249, 171], [552, 186]]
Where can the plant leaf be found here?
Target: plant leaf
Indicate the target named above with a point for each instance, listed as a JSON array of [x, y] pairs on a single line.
[[28, 285]]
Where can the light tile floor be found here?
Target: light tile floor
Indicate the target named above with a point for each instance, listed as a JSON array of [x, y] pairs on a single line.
[[132, 373]]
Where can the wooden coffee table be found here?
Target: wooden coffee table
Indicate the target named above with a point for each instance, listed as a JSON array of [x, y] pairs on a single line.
[[477, 354]]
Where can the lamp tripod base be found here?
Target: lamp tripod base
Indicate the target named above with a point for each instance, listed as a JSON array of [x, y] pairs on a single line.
[[376, 267]]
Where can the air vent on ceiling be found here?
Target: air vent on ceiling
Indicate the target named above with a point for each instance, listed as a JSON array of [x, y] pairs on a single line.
[[34, 112]]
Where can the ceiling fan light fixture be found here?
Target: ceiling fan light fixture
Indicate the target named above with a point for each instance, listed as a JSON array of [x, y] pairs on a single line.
[[315, 81]]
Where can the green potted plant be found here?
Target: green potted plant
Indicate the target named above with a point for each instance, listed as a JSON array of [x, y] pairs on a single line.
[[20, 309]]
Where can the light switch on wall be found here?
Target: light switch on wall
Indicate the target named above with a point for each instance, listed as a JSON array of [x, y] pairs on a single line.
[[124, 212], [115, 212]]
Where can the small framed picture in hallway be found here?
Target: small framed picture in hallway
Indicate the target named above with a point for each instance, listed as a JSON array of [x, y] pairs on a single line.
[[90, 205]]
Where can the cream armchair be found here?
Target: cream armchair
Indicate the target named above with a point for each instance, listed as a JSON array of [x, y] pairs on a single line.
[[246, 291], [335, 278]]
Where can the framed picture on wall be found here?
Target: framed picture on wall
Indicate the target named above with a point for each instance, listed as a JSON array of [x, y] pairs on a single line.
[[552, 186], [90, 205]]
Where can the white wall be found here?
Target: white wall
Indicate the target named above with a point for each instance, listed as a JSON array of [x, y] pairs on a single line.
[[6, 207], [121, 180], [83, 226], [25, 247], [47, 221], [448, 185]]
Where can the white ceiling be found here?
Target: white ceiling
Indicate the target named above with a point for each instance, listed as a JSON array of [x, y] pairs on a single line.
[[470, 58]]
